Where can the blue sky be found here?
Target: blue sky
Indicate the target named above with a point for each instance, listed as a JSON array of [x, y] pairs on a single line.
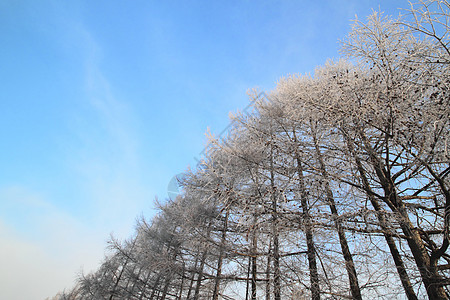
[[103, 102]]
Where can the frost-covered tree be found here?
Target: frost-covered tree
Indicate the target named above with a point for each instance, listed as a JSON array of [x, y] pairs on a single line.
[[335, 186]]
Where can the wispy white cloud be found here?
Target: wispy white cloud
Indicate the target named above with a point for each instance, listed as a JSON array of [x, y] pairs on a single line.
[[107, 154], [37, 256]]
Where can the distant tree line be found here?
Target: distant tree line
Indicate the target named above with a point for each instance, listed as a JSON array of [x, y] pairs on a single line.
[[336, 186]]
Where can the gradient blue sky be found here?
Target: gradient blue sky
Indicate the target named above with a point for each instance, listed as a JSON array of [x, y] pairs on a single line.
[[103, 102]]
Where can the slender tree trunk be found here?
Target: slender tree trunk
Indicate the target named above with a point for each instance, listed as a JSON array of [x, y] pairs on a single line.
[[154, 288], [191, 283], [143, 289], [269, 262], [349, 264], [311, 251], [135, 278], [247, 283], [202, 264], [166, 287], [276, 252], [403, 274], [220, 260], [116, 284], [182, 282], [127, 259], [200, 275], [253, 259], [252, 268]]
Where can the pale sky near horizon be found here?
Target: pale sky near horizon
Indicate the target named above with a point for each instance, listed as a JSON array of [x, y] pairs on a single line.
[[103, 102]]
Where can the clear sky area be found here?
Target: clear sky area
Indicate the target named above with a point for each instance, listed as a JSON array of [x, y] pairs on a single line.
[[103, 102]]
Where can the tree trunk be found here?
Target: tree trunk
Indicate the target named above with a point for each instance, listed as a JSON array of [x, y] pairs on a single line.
[[311, 251], [219, 262], [349, 264], [401, 270], [202, 264], [253, 260], [247, 283], [200, 275], [430, 277], [191, 283], [154, 288], [276, 251], [269, 262]]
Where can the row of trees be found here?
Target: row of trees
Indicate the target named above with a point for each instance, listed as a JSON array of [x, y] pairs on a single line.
[[335, 186]]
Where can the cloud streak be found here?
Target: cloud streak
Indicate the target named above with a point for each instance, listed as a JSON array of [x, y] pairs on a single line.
[[107, 154], [36, 255]]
